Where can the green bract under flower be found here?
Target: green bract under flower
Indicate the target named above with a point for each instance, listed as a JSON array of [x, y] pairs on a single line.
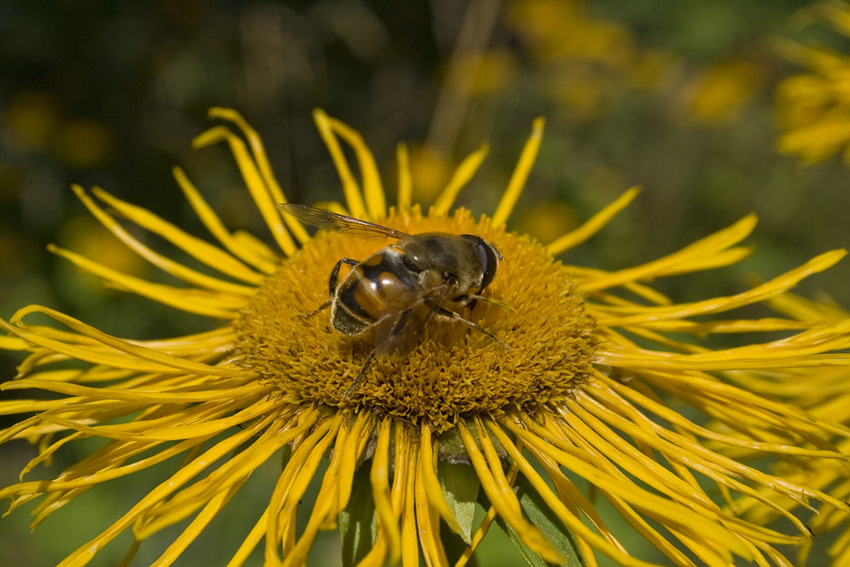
[[449, 370]]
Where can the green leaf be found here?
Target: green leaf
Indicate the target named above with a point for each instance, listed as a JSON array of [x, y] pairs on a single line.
[[455, 547], [539, 513], [460, 486], [358, 526], [532, 558]]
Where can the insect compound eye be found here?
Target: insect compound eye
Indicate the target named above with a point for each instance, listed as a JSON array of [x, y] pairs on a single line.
[[488, 257]]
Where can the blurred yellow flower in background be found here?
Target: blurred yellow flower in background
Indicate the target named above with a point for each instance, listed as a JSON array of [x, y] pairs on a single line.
[[34, 123], [720, 92], [31, 119], [492, 71], [561, 30], [581, 60], [814, 107], [592, 392]]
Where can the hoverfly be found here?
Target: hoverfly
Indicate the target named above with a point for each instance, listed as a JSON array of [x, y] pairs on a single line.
[[400, 287]]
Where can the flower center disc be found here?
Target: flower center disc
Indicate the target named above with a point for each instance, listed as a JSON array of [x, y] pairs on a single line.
[[448, 370]]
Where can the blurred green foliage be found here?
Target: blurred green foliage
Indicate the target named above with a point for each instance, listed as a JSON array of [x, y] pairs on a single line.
[[677, 97]]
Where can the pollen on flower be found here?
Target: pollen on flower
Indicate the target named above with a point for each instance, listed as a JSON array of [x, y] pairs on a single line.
[[449, 370]]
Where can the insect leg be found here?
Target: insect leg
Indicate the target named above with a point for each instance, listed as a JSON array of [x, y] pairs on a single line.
[[334, 279], [455, 317], [321, 307], [333, 282], [356, 383], [399, 325], [383, 346]]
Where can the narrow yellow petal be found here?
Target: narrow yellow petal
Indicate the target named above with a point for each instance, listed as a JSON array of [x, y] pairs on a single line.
[[115, 359], [197, 248], [138, 430], [296, 555], [261, 159], [764, 360], [718, 467], [677, 419], [325, 501], [234, 471], [624, 456], [664, 482], [769, 289], [504, 500], [575, 501], [403, 447], [702, 250], [249, 241], [360, 435], [68, 482], [231, 243], [13, 343], [492, 456], [198, 524], [703, 263], [353, 195], [711, 555], [378, 477], [18, 430], [648, 503], [405, 179], [201, 302], [377, 556], [464, 172], [596, 223], [12, 407], [260, 192], [479, 535], [405, 497], [582, 274], [280, 527], [428, 524], [520, 175], [840, 550], [86, 553], [372, 188], [573, 523], [731, 326], [804, 309], [137, 352], [652, 535], [431, 483], [218, 341], [212, 344]]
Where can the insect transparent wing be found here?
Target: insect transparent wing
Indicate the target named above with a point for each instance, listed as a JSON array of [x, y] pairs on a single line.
[[327, 220], [399, 329]]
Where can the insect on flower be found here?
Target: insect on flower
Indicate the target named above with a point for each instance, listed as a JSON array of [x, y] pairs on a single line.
[[399, 288]]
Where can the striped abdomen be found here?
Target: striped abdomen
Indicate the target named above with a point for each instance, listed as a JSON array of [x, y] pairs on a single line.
[[380, 285]]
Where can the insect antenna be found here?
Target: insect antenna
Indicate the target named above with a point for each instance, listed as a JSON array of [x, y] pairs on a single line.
[[492, 301], [350, 390]]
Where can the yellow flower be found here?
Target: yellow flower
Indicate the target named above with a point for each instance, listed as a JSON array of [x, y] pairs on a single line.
[[721, 91], [825, 393], [581, 62], [814, 107], [587, 390]]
